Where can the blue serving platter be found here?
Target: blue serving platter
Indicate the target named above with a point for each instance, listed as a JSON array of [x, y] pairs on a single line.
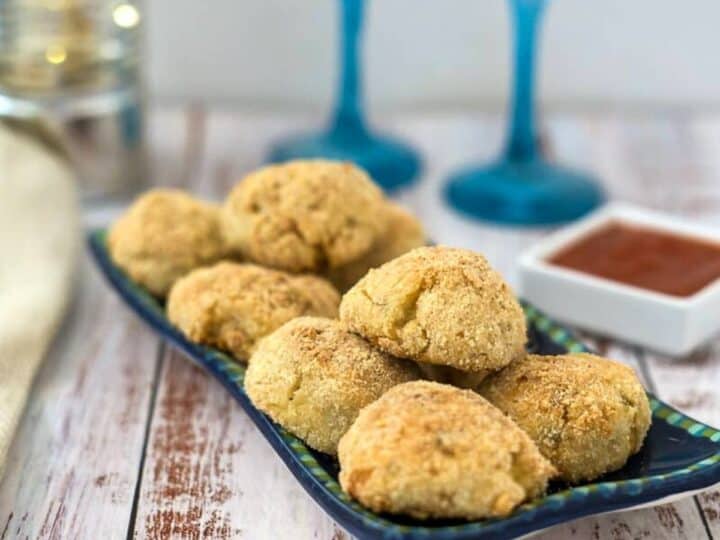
[[680, 455]]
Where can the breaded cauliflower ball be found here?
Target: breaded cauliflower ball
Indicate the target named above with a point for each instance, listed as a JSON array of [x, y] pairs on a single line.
[[439, 305], [404, 233], [163, 235], [312, 376], [587, 414], [431, 450], [305, 215], [232, 305]]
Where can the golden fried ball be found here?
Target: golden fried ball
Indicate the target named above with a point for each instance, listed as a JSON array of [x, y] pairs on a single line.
[[404, 233], [163, 235], [587, 414], [231, 305], [431, 450], [439, 305], [305, 215], [312, 376]]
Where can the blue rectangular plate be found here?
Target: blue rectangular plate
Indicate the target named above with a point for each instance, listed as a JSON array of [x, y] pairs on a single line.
[[680, 455]]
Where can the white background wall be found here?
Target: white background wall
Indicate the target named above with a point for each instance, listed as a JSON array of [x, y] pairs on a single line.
[[434, 53]]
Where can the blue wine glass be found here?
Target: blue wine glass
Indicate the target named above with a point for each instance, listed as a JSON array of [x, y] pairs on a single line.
[[522, 187], [390, 163]]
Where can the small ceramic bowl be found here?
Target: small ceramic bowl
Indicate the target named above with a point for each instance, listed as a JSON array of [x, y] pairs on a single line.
[[668, 324]]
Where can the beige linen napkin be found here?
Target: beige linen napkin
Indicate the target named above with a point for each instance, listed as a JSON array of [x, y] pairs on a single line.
[[39, 240]]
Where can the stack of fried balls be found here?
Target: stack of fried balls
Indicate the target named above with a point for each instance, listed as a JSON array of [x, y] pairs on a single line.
[[416, 378]]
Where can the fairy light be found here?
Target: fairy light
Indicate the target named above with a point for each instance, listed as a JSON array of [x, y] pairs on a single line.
[[55, 54], [126, 15]]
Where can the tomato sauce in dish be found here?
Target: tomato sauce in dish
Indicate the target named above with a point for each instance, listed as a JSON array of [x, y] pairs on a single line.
[[648, 258]]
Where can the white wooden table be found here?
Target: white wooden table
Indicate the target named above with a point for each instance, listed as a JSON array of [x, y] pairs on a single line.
[[124, 438]]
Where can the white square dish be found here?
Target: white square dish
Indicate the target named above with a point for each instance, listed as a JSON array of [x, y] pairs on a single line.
[[668, 324]]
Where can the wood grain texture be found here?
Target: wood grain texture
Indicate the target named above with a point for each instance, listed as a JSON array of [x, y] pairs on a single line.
[[671, 165], [207, 472], [236, 144], [691, 384], [74, 463], [679, 519]]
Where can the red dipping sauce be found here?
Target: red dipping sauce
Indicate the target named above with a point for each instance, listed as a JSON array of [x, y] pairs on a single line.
[[647, 258]]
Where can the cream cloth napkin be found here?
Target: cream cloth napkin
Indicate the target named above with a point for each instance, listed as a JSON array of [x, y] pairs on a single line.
[[39, 240]]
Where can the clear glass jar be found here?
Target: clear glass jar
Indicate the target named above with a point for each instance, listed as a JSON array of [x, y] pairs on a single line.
[[76, 63]]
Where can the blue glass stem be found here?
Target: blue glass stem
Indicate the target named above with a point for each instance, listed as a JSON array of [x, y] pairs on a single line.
[[522, 142], [348, 117]]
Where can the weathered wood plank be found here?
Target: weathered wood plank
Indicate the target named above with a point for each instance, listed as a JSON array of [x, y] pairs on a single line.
[[639, 161], [73, 466], [691, 384], [668, 521], [664, 522], [235, 144], [208, 472], [682, 175], [175, 139], [76, 458]]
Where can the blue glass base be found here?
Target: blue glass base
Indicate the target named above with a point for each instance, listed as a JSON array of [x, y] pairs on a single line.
[[529, 193], [390, 163]]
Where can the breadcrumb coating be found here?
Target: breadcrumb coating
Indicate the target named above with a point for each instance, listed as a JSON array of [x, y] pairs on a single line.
[[439, 305], [305, 215], [163, 235], [313, 375], [231, 306], [404, 232], [431, 450], [587, 414]]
